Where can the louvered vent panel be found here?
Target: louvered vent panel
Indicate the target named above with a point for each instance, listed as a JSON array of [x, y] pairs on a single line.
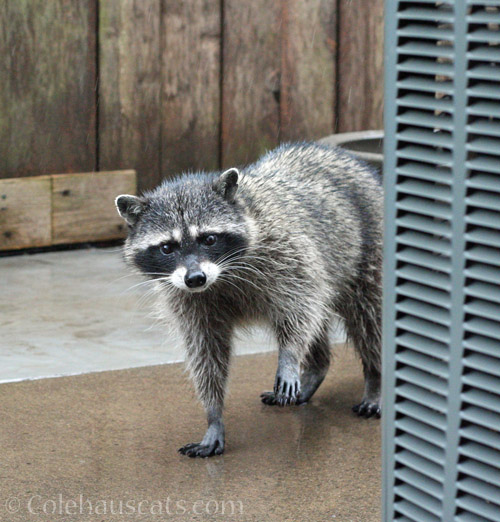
[[442, 262]]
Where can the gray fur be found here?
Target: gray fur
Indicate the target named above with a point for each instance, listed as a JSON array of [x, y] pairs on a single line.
[[308, 218]]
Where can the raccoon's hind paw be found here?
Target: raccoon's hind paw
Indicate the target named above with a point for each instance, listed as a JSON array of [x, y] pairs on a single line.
[[367, 409], [197, 449]]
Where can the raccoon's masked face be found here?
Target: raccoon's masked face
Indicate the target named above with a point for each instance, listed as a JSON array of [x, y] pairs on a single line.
[[186, 232]]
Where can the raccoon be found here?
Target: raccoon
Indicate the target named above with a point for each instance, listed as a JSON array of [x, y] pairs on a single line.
[[293, 240]]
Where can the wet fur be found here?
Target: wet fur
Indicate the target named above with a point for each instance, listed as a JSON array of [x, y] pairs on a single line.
[[305, 223]]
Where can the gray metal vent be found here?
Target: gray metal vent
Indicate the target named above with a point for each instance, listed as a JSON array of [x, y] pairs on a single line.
[[441, 417]]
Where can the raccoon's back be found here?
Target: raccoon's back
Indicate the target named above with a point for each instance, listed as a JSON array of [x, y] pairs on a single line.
[[318, 191]]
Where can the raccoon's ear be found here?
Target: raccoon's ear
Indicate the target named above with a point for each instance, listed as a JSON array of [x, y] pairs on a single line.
[[227, 184], [129, 207]]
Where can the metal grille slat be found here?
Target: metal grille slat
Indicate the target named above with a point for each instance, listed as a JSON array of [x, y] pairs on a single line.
[[484, 145], [484, 108], [421, 258], [425, 189], [419, 412], [485, 218], [484, 254], [426, 84], [426, 137], [484, 181], [425, 276], [484, 35], [484, 236], [482, 272], [482, 344], [425, 155], [425, 31], [421, 171], [423, 431], [482, 381], [485, 53], [425, 224], [430, 364], [424, 328], [484, 127], [480, 507], [414, 512], [484, 90], [484, 399], [419, 481], [432, 121], [430, 313], [425, 66], [426, 294], [423, 345], [481, 417], [481, 471], [432, 15], [422, 396], [484, 199], [483, 327], [425, 242], [482, 435], [426, 102], [425, 49], [479, 487], [419, 498], [420, 464], [483, 363], [427, 207]]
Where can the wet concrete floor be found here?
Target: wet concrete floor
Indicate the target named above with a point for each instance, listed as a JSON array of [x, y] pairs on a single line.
[[102, 447]]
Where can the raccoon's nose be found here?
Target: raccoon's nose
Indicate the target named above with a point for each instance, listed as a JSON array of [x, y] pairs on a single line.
[[195, 279]]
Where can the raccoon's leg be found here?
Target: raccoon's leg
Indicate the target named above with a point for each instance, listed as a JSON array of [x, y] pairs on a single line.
[[363, 329], [208, 361], [315, 368]]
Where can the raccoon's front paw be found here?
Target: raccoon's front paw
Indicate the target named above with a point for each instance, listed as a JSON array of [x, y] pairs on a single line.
[[285, 392], [367, 408], [198, 449]]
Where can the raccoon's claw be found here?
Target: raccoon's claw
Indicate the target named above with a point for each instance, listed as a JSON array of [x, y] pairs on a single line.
[[197, 449], [268, 398], [367, 409]]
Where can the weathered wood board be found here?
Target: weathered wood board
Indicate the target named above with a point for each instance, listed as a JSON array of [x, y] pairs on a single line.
[[47, 94], [25, 205], [129, 87], [83, 207], [308, 53], [250, 86], [360, 65], [190, 85]]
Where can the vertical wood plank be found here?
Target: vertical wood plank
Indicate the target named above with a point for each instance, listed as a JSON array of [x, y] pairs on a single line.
[[308, 69], [129, 88], [251, 67], [360, 65], [47, 94], [191, 32]]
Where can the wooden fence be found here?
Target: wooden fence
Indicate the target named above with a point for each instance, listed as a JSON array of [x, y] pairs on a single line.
[[162, 86]]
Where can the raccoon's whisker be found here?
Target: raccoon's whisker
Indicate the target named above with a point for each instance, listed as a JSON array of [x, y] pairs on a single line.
[[226, 280], [137, 285], [242, 267], [244, 280]]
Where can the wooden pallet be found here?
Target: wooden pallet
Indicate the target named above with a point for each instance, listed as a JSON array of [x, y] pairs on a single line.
[[62, 208]]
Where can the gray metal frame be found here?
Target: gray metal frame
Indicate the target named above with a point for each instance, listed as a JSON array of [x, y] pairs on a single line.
[[441, 374]]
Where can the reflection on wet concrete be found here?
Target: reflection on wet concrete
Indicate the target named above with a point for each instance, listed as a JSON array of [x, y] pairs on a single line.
[[92, 443]]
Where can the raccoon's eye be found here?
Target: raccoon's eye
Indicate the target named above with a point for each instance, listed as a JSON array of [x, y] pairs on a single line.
[[210, 240], [166, 248]]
